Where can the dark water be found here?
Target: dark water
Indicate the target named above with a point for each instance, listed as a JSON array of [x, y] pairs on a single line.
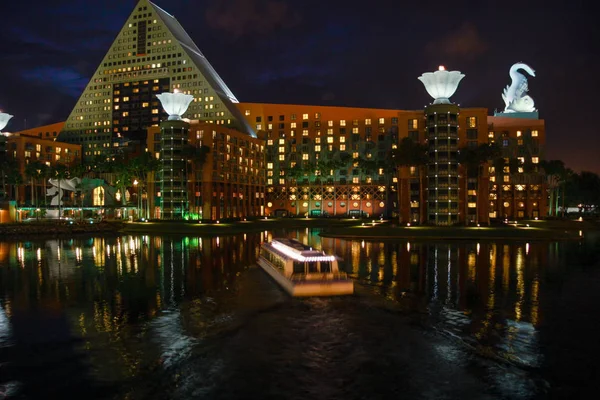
[[141, 317]]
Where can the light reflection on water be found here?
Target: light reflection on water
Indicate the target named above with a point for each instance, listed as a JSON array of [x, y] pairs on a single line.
[[135, 304]]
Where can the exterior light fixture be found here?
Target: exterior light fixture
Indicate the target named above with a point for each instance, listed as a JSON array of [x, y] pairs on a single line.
[[175, 104], [441, 84]]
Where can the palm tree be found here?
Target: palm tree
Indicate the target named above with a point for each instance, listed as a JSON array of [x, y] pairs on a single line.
[[32, 173], [555, 172], [8, 167], [408, 154], [367, 167], [473, 160], [293, 174], [345, 161], [308, 170], [196, 157]]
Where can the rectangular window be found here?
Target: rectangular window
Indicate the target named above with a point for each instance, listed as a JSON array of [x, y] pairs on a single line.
[[471, 122], [381, 121], [368, 121], [304, 116], [534, 133], [282, 157], [535, 160], [343, 122]]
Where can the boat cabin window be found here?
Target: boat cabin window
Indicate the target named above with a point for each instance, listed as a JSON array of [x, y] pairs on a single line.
[[298, 267], [313, 267], [325, 266]]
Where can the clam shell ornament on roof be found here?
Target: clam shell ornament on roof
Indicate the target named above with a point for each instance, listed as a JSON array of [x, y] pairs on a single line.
[[441, 84], [175, 104], [4, 118]]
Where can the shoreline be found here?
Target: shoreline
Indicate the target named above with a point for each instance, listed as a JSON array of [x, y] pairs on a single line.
[[351, 229]]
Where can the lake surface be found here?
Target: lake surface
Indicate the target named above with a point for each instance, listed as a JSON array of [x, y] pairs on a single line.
[[141, 317]]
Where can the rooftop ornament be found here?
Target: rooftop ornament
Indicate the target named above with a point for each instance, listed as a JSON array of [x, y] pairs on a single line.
[[175, 104], [515, 96], [4, 118], [441, 84]]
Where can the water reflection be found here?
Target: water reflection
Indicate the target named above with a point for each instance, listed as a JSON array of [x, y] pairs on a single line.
[[131, 305]]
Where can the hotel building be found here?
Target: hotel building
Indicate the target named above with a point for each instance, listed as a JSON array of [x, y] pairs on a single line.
[[282, 160]]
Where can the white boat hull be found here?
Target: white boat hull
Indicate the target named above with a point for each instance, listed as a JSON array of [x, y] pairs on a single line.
[[304, 288]]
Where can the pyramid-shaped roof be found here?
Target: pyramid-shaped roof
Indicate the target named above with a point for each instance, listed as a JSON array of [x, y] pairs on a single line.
[[151, 54]]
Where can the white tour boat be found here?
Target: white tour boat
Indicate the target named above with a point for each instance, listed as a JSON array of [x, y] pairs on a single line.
[[302, 271]]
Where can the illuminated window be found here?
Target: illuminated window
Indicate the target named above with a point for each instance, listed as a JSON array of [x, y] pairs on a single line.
[[305, 156], [329, 139], [282, 141], [534, 133], [292, 125], [368, 121], [269, 181], [270, 142], [282, 157], [330, 131], [491, 135], [342, 139], [471, 122], [343, 122], [413, 171], [381, 121], [329, 123], [520, 188], [518, 133], [355, 154], [535, 160], [354, 130], [126, 114], [342, 147], [247, 112], [318, 140], [355, 179], [281, 181], [305, 132], [318, 147], [506, 178], [155, 111], [282, 149], [304, 116], [413, 124], [317, 115], [472, 205], [270, 165]]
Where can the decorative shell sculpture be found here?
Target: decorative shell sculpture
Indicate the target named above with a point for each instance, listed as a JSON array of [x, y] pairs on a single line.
[[441, 84], [4, 118], [175, 104]]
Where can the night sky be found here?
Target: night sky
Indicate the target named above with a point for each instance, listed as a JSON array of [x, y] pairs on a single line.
[[328, 52]]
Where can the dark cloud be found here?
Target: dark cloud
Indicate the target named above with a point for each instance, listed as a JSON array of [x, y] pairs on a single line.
[[463, 43], [243, 17]]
